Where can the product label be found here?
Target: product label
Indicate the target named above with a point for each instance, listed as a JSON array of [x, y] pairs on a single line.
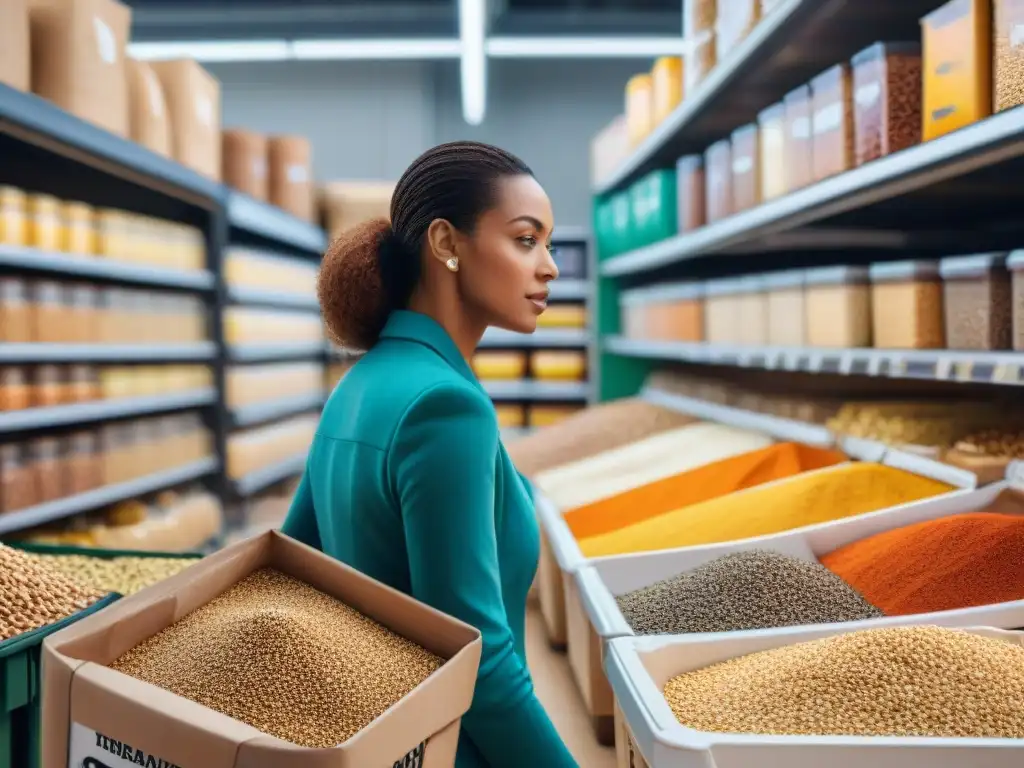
[[204, 109], [89, 749], [414, 759], [801, 128], [828, 118], [106, 43], [297, 174], [868, 94], [742, 165]]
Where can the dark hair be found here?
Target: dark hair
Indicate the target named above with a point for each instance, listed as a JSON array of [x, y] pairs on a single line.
[[372, 268]]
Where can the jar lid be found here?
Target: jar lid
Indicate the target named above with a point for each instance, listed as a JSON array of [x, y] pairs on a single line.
[[44, 448], [43, 203], [689, 163], [878, 50], [791, 278], [901, 271], [11, 454], [830, 75], [844, 275], [12, 289], [1016, 260], [48, 292], [726, 286], [48, 374], [977, 265], [771, 114], [799, 93], [720, 147], [745, 131], [751, 284], [12, 376]]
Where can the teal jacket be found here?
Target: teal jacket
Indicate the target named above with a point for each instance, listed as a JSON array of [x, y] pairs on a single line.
[[408, 482]]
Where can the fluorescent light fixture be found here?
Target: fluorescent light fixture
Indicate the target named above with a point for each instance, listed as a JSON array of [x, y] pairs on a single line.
[[584, 47], [473, 64], [387, 50], [213, 50]]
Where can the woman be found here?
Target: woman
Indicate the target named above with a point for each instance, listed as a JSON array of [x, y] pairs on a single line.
[[407, 479]]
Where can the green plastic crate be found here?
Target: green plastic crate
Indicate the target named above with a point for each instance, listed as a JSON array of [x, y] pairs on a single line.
[[20, 713], [653, 208]]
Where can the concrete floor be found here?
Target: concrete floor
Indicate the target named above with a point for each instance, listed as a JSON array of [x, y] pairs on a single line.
[[557, 692]]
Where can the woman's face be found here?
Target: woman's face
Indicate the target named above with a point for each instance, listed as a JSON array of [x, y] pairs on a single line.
[[504, 276]]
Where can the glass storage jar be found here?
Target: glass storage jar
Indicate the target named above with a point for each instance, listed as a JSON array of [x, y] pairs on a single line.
[[17, 489], [752, 304], [79, 230], [718, 181], [47, 386], [721, 310], [84, 465], [1008, 42], [1015, 263], [700, 58], [47, 467], [799, 145], [906, 305], [13, 216], [887, 100], [690, 192], [785, 298], [771, 123], [15, 389], [746, 168], [44, 225], [832, 122], [736, 20], [838, 307], [50, 312], [699, 16], [977, 301], [667, 85], [16, 315], [639, 107]]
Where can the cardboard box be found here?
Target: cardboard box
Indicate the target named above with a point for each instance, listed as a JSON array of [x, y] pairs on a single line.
[[290, 171], [347, 203], [78, 58], [91, 711], [193, 101], [14, 48], [244, 162], [148, 119]]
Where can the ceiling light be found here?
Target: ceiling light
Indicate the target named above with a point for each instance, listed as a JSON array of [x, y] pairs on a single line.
[[376, 49], [584, 47], [473, 64], [213, 50]]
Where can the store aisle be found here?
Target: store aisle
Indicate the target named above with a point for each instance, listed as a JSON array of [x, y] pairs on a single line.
[[558, 694]]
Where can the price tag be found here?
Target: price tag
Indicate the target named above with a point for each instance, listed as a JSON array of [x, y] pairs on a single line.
[[802, 363], [830, 364], [983, 372], [920, 369], [1006, 373], [962, 370], [884, 367], [860, 366]]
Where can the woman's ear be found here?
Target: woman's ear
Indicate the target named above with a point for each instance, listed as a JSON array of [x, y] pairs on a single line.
[[443, 239]]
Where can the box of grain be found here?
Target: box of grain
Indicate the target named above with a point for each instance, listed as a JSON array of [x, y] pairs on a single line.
[[194, 103], [290, 175], [14, 48], [78, 58], [347, 203], [267, 653], [148, 121], [244, 162]]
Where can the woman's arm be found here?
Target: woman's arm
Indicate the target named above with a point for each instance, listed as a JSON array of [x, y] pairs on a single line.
[[442, 466], [300, 523]]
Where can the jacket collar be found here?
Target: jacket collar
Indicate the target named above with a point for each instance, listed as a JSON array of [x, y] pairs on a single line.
[[419, 328]]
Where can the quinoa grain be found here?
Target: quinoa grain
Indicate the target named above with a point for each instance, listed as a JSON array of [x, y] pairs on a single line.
[[124, 575]]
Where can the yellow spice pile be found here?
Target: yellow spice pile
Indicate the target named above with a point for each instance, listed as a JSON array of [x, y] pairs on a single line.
[[125, 575], [907, 681], [285, 658], [34, 596]]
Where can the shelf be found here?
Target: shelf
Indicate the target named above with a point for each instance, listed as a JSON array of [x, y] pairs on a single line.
[[779, 428], [791, 45], [278, 299], [939, 365], [526, 389], [887, 180], [255, 482], [569, 289], [81, 413], [102, 268], [258, 413], [36, 121], [101, 497], [272, 223], [270, 353], [106, 353], [543, 338]]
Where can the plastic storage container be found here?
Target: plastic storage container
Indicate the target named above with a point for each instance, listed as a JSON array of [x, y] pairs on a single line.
[[664, 313], [699, 16], [654, 207], [667, 84], [887, 100], [771, 124], [786, 312], [639, 107], [510, 416], [79, 231], [718, 181], [559, 365], [691, 212], [546, 415], [16, 324], [957, 65], [832, 122], [44, 225], [736, 20], [700, 58], [721, 310], [977, 300], [906, 305], [1008, 41], [499, 365], [746, 168], [1016, 266], [799, 145], [13, 226], [838, 307], [563, 316], [752, 306]]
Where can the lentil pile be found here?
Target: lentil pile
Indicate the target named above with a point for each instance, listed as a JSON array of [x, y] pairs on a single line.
[[33, 596], [745, 590], [284, 658], [124, 575], [808, 499], [938, 565], [904, 681]]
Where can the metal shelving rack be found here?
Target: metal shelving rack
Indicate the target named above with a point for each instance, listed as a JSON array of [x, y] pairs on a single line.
[[951, 195]]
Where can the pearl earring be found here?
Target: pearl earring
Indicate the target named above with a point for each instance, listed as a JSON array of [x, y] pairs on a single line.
[[452, 264]]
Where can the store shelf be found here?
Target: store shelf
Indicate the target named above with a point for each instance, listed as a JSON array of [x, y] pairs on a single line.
[[779, 428], [82, 413], [526, 389], [106, 353], [940, 365], [101, 268], [569, 289], [877, 192], [101, 497], [270, 222], [789, 46], [269, 353], [278, 299], [37, 121], [255, 482], [258, 413], [541, 338]]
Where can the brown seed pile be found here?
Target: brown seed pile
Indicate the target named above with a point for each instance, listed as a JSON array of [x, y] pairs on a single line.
[[124, 575], [904, 681], [745, 590], [284, 658], [34, 596], [1009, 56]]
